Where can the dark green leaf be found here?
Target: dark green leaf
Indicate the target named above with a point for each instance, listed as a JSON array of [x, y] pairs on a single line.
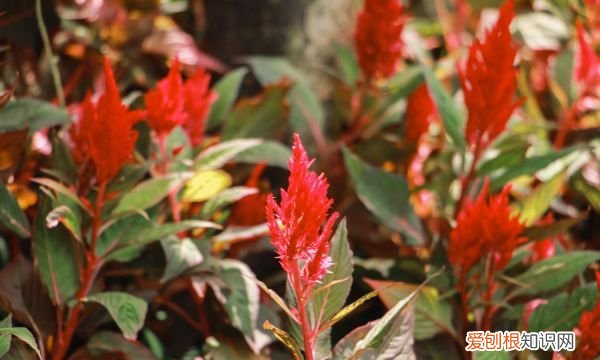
[[528, 166], [31, 114], [563, 311], [145, 195], [555, 272], [216, 156], [126, 310], [11, 215], [227, 88], [5, 338], [270, 152], [110, 342], [386, 196], [56, 257], [307, 110], [541, 232], [181, 254], [263, 116], [23, 334], [451, 115], [347, 63], [330, 296]]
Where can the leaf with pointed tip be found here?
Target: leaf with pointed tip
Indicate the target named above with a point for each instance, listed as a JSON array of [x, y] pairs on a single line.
[[23, 334], [128, 311], [285, 339], [218, 155], [144, 195], [11, 214], [227, 88], [386, 196], [56, 257], [224, 198], [181, 254]]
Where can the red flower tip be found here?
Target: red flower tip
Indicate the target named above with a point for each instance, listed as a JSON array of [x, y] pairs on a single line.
[[587, 66], [485, 227], [488, 81], [420, 111], [165, 103], [377, 37], [299, 226], [198, 100], [104, 130], [588, 346]]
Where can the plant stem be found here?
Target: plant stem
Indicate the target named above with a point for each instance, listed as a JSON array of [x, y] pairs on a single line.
[[466, 180], [307, 333], [93, 265], [164, 170], [486, 322], [48, 48]]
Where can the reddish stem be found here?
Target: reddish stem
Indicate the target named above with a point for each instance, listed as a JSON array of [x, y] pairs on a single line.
[[301, 296], [486, 322], [93, 264]]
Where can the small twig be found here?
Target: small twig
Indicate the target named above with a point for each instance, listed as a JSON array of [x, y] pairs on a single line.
[[48, 48]]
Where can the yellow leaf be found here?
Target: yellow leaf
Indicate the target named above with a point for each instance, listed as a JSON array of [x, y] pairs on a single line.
[[205, 185]]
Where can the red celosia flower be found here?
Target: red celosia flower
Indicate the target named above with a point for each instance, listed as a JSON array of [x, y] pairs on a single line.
[[246, 211], [198, 100], [484, 227], [588, 346], [420, 111], [377, 37], [105, 130], [489, 81], [299, 227], [587, 66], [166, 103]]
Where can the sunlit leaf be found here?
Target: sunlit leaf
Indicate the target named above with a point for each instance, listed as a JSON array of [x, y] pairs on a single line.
[[286, 339], [206, 184], [218, 155]]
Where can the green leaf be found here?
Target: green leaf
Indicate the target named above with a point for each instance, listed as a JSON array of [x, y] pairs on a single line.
[[403, 84], [149, 235], [432, 314], [553, 273], [528, 166], [56, 257], [391, 337], [386, 196], [111, 342], [330, 296], [286, 339], [5, 338], [67, 213], [504, 160], [224, 198], [270, 152], [589, 191], [541, 232], [145, 195], [181, 254], [307, 111], [23, 334], [563, 311], [242, 301], [347, 63], [263, 116], [11, 214], [61, 189], [120, 232], [127, 311], [452, 116], [344, 348], [31, 114], [218, 155], [491, 355], [227, 88], [538, 202]]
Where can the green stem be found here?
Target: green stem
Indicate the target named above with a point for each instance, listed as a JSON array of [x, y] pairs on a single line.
[[48, 48]]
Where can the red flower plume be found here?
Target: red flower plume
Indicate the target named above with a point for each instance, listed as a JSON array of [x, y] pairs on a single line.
[[198, 100], [105, 130], [484, 227], [166, 103], [299, 227], [377, 37], [588, 346], [420, 110], [587, 67], [489, 81]]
